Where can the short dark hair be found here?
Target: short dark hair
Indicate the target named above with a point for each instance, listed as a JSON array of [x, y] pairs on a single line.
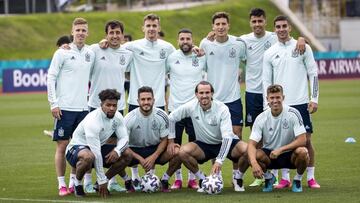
[[151, 16], [274, 89], [257, 12], [281, 18], [221, 15], [114, 24], [184, 30], [109, 94], [129, 37], [204, 83], [64, 40], [145, 89]]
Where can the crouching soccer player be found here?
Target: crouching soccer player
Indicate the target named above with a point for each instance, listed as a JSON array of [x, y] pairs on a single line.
[[148, 128], [283, 134], [88, 147], [214, 135]]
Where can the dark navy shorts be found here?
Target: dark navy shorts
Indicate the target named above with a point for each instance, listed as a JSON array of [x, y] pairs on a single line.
[[132, 107], [283, 160], [303, 109], [72, 154], [185, 123], [145, 152], [236, 112], [64, 128], [212, 150], [254, 107]]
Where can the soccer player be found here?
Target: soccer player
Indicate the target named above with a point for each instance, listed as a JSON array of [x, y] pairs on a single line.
[[109, 72], [148, 129], [67, 85], [214, 135], [284, 66], [149, 66], [110, 65], [283, 134], [223, 58], [186, 70], [88, 147]]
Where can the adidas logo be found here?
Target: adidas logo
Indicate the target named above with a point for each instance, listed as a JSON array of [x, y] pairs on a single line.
[[103, 58], [211, 53], [177, 62], [277, 56], [197, 118], [250, 48], [138, 127], [73, 58], [142, 53], [307, 127]]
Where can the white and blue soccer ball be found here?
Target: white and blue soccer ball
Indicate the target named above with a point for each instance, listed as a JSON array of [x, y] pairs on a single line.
[[213, 184], [150, 183]]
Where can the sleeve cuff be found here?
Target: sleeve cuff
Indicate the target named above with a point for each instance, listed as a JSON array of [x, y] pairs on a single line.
[[103, 181], [219, 161]]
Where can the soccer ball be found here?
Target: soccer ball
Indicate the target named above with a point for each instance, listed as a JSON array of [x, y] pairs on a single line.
[[150, 183], [213, 184]]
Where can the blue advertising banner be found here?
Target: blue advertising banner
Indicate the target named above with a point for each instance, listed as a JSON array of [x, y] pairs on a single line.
[[24, 80], [23, 64]]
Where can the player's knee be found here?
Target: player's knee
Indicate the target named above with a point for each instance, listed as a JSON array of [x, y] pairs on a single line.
[[302, 153], [126, 155], [183, 153]]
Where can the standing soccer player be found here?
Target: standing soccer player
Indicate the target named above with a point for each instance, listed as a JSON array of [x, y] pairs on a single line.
[[282, 132], [223, 58], [149, 66], [186, 70], [67, 85], [284, 66]]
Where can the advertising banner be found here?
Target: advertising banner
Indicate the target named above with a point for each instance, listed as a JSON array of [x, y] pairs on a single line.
[[338, 68], [24, 80]]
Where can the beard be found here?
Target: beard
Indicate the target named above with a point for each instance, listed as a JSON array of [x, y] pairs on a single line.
[[186, 48], [110, 115]]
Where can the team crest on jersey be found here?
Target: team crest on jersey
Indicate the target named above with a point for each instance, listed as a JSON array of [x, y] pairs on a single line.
[[285, 124], [213, 121], [232, 53], [195, 61], [267, 45], [114, 125], [122, 60], [294, 53], [154, 125], [87, 57], [61, 132], [162, 54]]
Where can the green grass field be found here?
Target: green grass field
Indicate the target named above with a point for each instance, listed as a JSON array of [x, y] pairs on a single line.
[[27, 170]]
